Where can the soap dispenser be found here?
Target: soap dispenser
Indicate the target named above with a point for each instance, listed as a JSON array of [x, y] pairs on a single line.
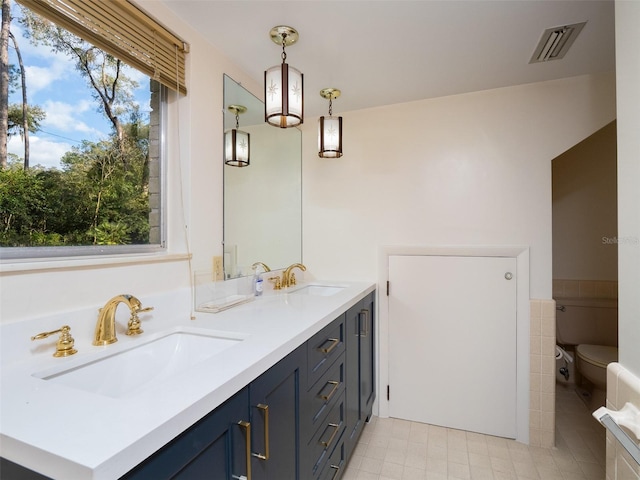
[[257, 282], [257, 277]]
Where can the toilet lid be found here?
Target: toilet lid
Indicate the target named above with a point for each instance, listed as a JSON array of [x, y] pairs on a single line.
[[599, 355]]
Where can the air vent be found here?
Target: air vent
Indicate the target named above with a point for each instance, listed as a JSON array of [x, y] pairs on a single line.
[[555, 42]]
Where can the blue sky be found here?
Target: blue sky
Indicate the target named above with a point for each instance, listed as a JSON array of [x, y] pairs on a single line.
[[55, 85]]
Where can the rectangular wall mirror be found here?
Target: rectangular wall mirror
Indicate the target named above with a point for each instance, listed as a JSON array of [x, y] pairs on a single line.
[[262, 201]]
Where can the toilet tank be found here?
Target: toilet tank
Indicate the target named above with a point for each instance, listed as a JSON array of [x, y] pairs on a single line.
[[587, 321]]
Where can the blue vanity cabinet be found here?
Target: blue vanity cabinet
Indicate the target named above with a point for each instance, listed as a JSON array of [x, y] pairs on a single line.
[[216, 447], [275, 420], [323, 407], [367, 355], [258, 425], [360, 372]]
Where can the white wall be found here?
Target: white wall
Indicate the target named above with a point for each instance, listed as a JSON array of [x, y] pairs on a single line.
[[628, 104], [51, 287], [471, 169]]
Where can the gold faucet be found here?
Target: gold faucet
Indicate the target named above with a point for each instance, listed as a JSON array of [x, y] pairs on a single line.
[[288, 277], [106, 326], [260, 264]]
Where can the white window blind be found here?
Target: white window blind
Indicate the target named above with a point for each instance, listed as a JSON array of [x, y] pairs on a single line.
[[123, 30]]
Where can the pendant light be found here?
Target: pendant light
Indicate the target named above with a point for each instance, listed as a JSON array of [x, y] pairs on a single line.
[[330, 128], [236, 142], [283, 85]]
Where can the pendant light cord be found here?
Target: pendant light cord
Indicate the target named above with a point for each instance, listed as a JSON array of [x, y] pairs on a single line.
[[284, 53]]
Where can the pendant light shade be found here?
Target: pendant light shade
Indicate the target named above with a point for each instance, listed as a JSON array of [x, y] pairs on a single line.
[[236, 142], [330, 128], [283, 85]]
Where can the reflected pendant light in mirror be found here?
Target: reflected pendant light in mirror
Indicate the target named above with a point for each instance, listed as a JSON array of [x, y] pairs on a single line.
[[236, 142], [283, 85], [330, 128]]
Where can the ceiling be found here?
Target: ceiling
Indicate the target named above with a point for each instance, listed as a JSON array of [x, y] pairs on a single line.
[[381, 52]]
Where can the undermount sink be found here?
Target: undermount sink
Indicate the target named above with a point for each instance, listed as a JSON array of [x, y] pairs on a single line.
[[319, 290], [130, 370]]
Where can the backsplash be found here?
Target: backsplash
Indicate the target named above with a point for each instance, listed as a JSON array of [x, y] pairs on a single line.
[[622, 387], [542, 390], [584, 288]]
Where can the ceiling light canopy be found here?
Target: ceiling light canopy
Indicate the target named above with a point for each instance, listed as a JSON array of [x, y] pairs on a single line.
[[283, 85], [236, 142], [330, 128], [555, 42]]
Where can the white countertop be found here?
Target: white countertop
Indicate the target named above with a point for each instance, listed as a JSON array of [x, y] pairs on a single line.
[[64, 432]]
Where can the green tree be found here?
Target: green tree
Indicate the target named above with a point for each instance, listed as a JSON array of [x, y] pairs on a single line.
[[9, 75], [21, 203], [35, 115], [113, 195], [94, 199], [4, 79]]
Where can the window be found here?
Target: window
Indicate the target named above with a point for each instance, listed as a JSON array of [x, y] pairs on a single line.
[[82, 172]]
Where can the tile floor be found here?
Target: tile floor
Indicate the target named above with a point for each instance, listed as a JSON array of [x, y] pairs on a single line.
[[399, 449]]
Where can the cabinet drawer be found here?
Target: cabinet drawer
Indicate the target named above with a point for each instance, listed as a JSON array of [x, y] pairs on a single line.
[[323, 348], [335, 465], [317, 402], [327, 436]]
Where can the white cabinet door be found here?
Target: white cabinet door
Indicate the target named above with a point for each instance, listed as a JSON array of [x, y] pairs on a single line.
[[452, 342]]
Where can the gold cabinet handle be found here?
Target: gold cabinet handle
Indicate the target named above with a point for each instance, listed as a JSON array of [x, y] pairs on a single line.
[[247, 440], [334, 343], [265, 411], [337, 471], [328, 396], [64, 345], [364, 319], [336, 428]]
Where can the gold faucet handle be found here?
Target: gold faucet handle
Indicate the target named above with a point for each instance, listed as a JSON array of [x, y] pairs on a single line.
[[292, 279], [133, 327], [64, 345], [276, 283]]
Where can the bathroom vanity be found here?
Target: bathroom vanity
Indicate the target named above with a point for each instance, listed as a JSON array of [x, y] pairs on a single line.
[[288, 398]]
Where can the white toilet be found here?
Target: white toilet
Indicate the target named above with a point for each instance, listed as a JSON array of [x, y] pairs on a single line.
[[590, 326], [592, 361]]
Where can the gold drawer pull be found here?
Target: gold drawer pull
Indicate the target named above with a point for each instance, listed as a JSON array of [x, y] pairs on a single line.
[[337, 471], [336, 428], [247, 439], [334, 343], [363, 328], [265, 411], [328, 396]]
